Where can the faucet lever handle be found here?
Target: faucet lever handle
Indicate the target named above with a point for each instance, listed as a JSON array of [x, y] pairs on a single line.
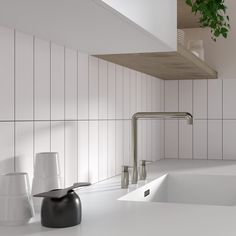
[[143, 171], [143, 162], [125, 176]]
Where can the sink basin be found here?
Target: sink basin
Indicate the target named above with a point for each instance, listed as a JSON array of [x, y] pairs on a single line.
[[188, 189]]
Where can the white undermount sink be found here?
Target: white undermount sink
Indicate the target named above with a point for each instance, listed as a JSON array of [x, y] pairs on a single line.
[[188, 189]]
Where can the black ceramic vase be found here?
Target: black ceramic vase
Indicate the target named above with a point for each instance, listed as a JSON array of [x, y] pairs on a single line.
[[61, 212]]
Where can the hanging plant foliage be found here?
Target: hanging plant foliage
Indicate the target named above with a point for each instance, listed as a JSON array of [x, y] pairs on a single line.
[[212, 14]]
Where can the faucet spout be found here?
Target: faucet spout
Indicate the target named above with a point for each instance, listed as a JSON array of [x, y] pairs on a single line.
[[150, 115]]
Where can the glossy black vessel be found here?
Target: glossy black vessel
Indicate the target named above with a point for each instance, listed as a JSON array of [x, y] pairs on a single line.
[[61, 212]]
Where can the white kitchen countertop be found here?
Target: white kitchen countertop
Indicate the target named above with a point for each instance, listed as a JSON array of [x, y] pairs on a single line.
[[104, 215]]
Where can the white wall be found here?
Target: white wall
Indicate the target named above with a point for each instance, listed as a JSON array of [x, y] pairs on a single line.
[[53, 98], [157, 17]]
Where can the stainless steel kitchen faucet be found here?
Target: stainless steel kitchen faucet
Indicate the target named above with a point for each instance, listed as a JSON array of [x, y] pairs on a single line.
[[150, 115]]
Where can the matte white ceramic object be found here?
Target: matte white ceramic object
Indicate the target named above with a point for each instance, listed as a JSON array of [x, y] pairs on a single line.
[[16, 205], [47, 175], [196, 47], [46, 165]]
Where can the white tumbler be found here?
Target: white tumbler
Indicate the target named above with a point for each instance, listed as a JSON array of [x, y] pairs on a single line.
[[47, 175], [16, 205]]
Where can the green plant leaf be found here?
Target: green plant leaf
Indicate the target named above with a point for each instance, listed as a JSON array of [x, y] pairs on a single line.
[[212, 14]]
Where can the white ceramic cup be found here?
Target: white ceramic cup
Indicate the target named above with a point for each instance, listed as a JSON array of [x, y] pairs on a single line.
[[46, 165], [47, 175], [16, 206]]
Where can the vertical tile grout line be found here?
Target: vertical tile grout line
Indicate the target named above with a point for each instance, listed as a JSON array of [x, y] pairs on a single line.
[[122, 116], [50, 88], [207, 121], [222, 119], [107, 116], [164, 141], [88, 118], [130, 117], [98, 123], [193, 119], [77, 112], [115, 113], [14, 103], [64, 116], [178, 121], [33, 99], [151, 120], [123, 133]]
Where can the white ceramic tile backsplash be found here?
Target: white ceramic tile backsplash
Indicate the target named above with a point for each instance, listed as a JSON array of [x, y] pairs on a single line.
[[212, 103], [58, 99], [53, 98]]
